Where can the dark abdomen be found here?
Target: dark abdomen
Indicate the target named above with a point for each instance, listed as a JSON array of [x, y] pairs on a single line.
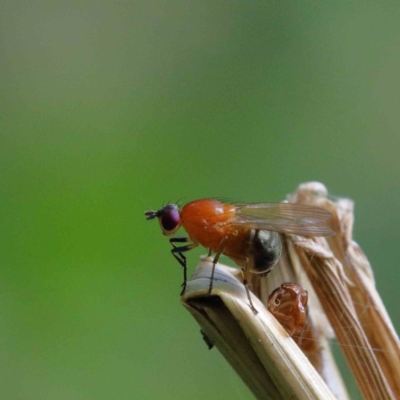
[[264, 251]]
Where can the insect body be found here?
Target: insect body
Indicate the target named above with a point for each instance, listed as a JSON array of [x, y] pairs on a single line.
[[247, 233]]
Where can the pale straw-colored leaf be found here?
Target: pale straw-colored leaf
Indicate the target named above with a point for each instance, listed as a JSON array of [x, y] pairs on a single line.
[[257, 347]]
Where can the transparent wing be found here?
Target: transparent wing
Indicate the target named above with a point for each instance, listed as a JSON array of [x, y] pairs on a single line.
[[298, 219]]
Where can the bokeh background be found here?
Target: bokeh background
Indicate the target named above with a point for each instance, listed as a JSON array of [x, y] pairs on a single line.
[[109, 109]]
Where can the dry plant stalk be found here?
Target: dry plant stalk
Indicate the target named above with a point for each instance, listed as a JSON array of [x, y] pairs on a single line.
[[342, 291], [343, 281]]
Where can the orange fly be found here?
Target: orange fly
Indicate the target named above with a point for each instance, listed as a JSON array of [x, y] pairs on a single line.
[[248, 233]]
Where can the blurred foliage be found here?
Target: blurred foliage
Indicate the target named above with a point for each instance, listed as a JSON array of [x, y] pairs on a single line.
[[111, 108]]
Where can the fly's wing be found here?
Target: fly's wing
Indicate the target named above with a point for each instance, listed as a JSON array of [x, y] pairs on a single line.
[[292, 218]]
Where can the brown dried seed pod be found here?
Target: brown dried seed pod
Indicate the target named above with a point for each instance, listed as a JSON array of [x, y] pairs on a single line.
[[288, 304]]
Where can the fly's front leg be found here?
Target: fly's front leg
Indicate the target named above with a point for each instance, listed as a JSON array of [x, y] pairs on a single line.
[[177, 252]]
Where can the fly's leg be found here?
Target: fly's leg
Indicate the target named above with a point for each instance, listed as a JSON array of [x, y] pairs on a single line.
[[246, 285], [177, 252], [221, 247]]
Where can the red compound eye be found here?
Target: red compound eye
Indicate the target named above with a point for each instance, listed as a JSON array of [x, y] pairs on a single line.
[[170, 218]]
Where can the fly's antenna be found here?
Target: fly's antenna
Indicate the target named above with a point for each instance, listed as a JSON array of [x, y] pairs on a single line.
[[151, 214]]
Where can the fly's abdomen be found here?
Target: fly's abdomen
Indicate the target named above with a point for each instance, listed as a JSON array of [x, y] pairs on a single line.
[[265, 249]]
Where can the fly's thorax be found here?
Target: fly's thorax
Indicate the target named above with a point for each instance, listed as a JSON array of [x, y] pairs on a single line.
[[206, 221], [207, 212], [264, 250]]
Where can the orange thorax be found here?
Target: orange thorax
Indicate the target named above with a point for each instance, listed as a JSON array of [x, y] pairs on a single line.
[[208, 221]]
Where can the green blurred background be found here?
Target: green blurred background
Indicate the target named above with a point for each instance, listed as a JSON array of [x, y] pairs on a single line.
[[112, 108]]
